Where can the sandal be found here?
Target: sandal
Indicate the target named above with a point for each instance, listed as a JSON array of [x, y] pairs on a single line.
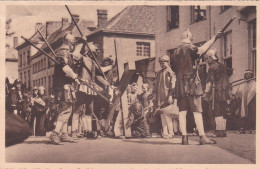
[[207, 141]]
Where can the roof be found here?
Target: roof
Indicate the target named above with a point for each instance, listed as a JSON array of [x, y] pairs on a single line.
[[56, 37], [35, 38], [133, 20]]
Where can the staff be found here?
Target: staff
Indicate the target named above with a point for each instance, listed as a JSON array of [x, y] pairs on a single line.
[[82, 81], [92, 54]]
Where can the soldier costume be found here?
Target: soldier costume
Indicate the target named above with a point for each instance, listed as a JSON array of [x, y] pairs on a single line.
[[64, 78], [88, 71], [188, 85], [219, 80]]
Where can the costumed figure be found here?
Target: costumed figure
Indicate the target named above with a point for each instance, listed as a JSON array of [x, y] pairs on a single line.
[[247, 109], [41, 103], [164, 88], [188, 84], [64, 78], [100, 105], [217, 86], [132, 95], [88, 71], [137, 121]]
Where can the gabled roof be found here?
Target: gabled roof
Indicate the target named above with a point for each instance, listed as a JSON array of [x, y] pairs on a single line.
[[132, 19], [56, 37], [35, 38]]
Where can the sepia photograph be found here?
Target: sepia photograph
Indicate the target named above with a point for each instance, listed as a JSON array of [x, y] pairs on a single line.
[[130, 84]]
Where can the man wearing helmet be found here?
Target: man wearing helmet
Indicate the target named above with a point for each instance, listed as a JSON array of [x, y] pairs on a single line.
[[63, 80], [218, 78], [188, 86], [88, 71]]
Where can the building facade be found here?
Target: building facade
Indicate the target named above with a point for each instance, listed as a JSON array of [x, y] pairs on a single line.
[[134, 29], [36, 69], [237, 48]]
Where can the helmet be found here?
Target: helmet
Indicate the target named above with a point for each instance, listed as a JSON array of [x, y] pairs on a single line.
[[186, 36], [212, 53], [164, 58], [68, 38], [35, 88]]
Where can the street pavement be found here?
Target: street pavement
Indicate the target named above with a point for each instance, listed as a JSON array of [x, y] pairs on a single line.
[[107, 150]]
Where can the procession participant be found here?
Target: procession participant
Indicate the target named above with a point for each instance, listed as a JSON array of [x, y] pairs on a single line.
[[33, 111], [188, 86], [143, 97], [64, 77], [218, 87], [164, 87], [137, 121], [41, 103], [132, 95], [88, 71], [100, 105], [247, 95]]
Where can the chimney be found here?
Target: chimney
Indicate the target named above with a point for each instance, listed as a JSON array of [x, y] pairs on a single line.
[[38, 26], [76, 18], [102, 17], [15, 42], [64, 23], [52, 26]]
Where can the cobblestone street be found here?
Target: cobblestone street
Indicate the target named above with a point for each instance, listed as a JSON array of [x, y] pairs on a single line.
[[234, 149]]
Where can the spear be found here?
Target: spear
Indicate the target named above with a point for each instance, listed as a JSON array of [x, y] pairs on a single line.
[[81, 34]]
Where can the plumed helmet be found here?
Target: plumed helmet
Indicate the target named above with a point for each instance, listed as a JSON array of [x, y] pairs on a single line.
[[186, 36], [68, 38], [164, 58], [212, 53]]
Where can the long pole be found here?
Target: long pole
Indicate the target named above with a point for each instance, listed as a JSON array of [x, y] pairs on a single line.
[[46, 54], [92, 54], [243, 82], [47, 43], [84, 82]]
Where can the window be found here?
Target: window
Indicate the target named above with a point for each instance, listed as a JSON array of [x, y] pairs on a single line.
[[44, 63], [24, 59], [21, 77], [228, 49], [49, 63], [29, 78], [20, 60], [172, 17], [143, 49], [25, 79], [252, 46], [198, 13], [224, 8], [28, 57]]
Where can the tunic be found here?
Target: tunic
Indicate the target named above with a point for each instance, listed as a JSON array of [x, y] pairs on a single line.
[[182, 63], [165, 83], [218, 78]]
